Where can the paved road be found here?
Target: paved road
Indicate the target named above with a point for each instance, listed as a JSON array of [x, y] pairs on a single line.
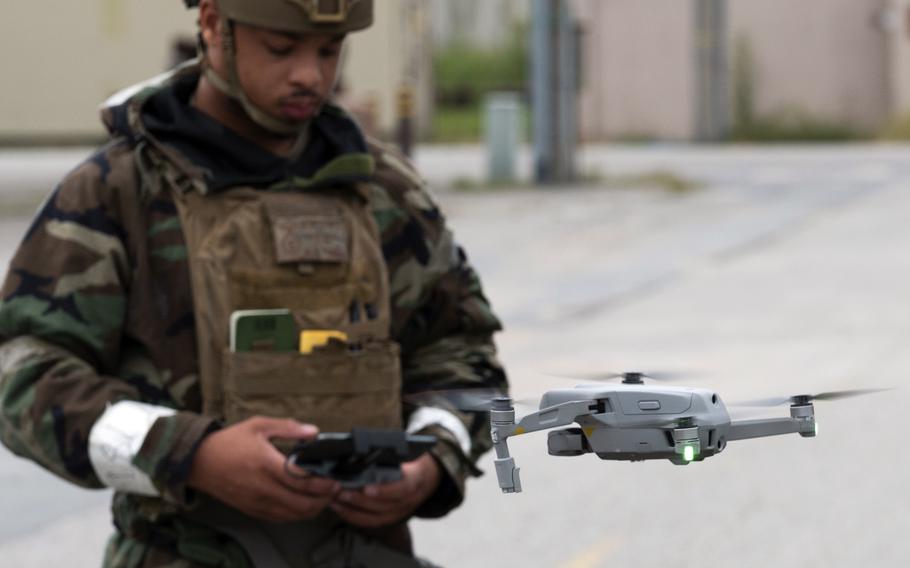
[[786, 273]]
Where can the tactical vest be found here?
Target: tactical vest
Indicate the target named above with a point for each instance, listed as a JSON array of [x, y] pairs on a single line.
[[317, 253]]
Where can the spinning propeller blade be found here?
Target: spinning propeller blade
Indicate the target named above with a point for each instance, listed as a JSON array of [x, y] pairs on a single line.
[[467, 400], [660, 376], [823, 396]]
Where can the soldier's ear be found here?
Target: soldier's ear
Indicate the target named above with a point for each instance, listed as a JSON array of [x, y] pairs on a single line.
[[210, 25]]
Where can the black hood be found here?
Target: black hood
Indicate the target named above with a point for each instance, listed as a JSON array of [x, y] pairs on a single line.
[[228, 159]]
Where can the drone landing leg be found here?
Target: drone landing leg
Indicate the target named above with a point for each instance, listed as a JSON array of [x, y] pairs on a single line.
[[506, 472], [502, 426], [502, 422]]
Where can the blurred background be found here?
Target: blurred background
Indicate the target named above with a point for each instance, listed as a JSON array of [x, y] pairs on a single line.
[[714, 188], [656, 70]]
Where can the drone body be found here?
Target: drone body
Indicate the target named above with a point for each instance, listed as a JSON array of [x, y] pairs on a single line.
[[640, 422], [633, 421]]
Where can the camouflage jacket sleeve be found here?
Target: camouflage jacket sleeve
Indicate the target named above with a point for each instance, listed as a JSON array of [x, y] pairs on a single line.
[[63, 310], [441, 318]]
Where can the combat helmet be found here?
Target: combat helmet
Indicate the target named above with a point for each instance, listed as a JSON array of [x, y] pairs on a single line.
[[289, 16]]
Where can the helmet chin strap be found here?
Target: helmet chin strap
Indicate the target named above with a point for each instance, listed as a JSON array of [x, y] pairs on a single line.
[[231, 88]]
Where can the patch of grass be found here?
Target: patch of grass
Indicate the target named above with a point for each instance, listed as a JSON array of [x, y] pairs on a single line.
[[663, 180], [897, 129], [465, 125], [635, 138], [457, 125], [468, 184], [658, 179], [787, 124], [793, 125], [463, 73]]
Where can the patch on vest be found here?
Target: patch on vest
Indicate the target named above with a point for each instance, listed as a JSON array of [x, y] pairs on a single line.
[[310, 238]]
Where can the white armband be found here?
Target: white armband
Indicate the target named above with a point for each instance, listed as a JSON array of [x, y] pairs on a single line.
[[116, 439], [431, 416]]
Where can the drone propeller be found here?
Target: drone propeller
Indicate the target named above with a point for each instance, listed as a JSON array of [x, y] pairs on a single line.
[[807, 398], [627, 378], [467, 400]]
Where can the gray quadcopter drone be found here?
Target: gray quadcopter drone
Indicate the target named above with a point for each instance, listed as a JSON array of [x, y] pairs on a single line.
[[633, 421]]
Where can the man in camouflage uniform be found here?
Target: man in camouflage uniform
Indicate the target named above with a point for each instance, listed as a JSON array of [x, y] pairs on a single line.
[[105, 368]]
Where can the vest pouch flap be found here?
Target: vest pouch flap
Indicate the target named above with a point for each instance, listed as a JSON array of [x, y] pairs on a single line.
[[310, 238], [313, 229], [334, 388]]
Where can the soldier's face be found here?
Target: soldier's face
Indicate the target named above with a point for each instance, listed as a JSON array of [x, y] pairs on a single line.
[[289, 77]]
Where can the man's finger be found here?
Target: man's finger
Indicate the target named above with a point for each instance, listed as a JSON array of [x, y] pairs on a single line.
[[277, 468], [390, 491], [315, 486], [358, 501], [283, 428]]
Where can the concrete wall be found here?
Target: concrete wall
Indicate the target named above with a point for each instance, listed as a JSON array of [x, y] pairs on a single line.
[[843, 61], [395, 51], [826, 57], [638, 69], [60, 60], [896, 23]]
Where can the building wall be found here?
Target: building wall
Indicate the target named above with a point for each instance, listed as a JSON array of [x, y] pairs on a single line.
[[842, 61], [896, 23], [637, 69], [394, 52], [828, 58], [62, 59], [60, 63]]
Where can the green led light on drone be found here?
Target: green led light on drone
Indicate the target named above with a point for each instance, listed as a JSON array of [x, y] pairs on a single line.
[[689, 453]]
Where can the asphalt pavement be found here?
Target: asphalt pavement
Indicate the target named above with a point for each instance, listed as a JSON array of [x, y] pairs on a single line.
[[784, 273]]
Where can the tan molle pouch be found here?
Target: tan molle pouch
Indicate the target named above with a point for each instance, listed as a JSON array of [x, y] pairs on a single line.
[[333, 387]]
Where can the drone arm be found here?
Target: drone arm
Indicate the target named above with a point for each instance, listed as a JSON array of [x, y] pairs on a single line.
[[748, 429], [559, 415], [503, 427], [801, 421]]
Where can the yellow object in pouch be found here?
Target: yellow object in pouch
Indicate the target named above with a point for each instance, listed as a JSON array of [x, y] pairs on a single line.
[[312, 338]]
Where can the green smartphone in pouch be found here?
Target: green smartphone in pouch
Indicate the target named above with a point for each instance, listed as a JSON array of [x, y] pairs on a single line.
[[263, 330]]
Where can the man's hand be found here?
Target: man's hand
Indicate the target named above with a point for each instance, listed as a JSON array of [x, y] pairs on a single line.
[[388, 503], [240, 466]]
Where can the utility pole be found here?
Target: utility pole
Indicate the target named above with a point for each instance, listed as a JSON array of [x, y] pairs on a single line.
[[411, 16], [554, 90], [712, 74], [568, 80]]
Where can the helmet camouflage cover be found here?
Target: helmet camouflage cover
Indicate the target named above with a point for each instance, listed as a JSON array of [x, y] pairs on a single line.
[[290, 16], [298, 16]]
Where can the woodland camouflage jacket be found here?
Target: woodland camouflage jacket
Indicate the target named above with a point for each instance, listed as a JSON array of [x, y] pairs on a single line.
[[96, 307]]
